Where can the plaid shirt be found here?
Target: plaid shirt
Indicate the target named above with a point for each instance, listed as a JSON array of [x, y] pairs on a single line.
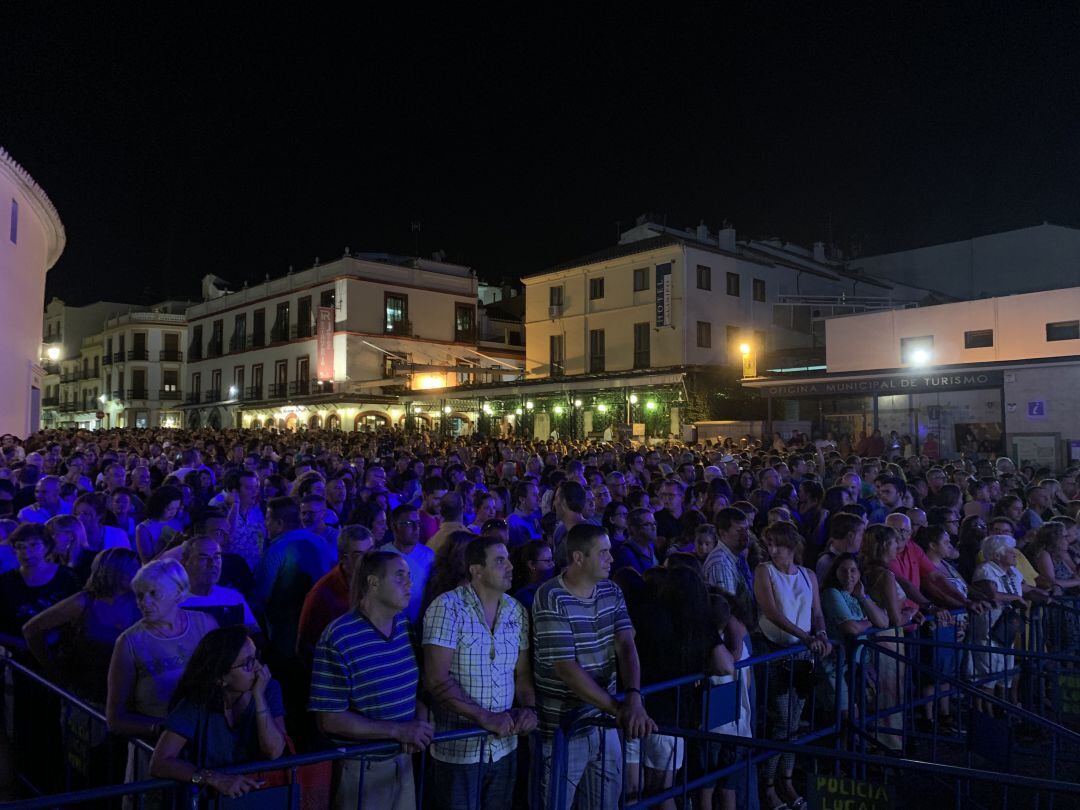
[[483, 666]]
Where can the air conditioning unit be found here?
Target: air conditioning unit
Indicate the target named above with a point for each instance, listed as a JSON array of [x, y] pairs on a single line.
[[555, 311]]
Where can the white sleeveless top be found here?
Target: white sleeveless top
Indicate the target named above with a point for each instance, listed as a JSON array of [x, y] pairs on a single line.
[[795, 598]]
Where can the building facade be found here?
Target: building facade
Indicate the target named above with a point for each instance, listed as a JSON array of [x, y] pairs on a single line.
[[346, 344], [32, 238], [992, 376]]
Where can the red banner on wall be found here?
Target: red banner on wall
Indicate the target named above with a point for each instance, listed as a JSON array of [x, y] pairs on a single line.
[[325, 333]]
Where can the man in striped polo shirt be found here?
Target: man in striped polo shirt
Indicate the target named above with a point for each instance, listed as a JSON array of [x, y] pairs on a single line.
[[582, 639], [364, 685]]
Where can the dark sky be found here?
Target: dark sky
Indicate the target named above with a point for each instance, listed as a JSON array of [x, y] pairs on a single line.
[[176, 145]]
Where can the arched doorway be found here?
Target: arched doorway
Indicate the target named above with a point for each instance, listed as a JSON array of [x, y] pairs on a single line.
[[459, 424], [333, 422], [214, 420], [371, 420], [194, 422], [291, 422], [256, 423], [315, 422]]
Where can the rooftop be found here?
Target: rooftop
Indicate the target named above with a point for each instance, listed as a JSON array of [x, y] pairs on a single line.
[[56, 236]]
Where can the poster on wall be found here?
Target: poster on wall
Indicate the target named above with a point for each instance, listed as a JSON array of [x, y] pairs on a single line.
[[663, 294], [1037, 449], [979, 438]]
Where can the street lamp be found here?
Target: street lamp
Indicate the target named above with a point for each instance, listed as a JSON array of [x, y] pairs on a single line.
[[53, 353], [633, 399], [446, 409], [577, 403], [650, 405], [529, 405], [558, 409], [602, 408], [920, 357]]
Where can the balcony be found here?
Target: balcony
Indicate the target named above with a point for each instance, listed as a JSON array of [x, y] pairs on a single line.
[[171, 356], [68, 407], [303, 388], [213, 349], [71, 376], [195, 352], [258, 340], [403, 328], [279, 333], [240, 343], [106, 359], [304, 330], [278, 390], [213, 395], [118, 357], [138, 354], [253, 393], [194, 398], [117, 396], [49, 367], [465, 336], [170, 396], [138, 393], [55, 337], [50, 402]]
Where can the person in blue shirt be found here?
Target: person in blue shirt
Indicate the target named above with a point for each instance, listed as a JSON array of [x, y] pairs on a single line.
[[226, 710], [405, 526]]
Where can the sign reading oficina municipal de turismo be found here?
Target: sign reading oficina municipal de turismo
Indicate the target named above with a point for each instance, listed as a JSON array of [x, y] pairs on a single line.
[[898, 384]]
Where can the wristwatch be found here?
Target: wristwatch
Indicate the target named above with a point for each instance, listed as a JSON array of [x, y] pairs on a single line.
[[200, 777]]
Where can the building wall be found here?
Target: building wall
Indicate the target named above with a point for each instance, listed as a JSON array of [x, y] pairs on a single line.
[[1023, 260], [872, 341], [27, 251]]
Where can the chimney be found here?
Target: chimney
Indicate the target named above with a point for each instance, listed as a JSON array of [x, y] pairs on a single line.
[[819, 251], [725, 239], [702, 232]]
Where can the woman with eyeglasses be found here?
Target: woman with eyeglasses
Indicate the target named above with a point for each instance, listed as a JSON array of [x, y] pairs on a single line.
[[34, 586], [226, 710]]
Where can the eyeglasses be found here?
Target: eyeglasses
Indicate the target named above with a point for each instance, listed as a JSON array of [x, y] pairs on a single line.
[[249, 664], [408, 523]]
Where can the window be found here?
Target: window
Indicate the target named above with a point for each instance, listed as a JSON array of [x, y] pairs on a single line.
[[170, 379], [596, 350], [704, 335], [14, 222], [642, 332], [916, 349], [759, 289], [304, 319], [196, 385], [256, 381], [215, 384], [979, 339], [555, 296], [238, 381], [733, 284], [465, 323], [238, 341], [279, 332], [556, 355], [1063, 330], [596, 288], [258, 328], [397, 313], [641, 279], [327, 298], [704, 277], [303, 367]]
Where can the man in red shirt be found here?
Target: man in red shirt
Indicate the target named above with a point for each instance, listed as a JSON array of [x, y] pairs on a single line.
[[927, 588], [329, 597], [433, 488]]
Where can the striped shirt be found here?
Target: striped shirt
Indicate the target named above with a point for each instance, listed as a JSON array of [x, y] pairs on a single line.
[[483, 666], [567, 628], [358, 669]]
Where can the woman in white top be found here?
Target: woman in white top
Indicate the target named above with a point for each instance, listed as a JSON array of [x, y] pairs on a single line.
[[790, 605], [1000, 582]]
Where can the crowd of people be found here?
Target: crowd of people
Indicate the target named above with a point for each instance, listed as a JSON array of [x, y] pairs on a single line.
[[229, 596]]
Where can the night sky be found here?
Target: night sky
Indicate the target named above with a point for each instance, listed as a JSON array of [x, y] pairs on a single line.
[[179, 145]]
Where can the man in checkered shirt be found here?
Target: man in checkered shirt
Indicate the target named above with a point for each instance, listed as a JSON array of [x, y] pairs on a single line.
[[476, 667]]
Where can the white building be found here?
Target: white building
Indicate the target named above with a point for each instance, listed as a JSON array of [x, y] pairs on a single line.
[[343, 344], [1042, 257], [994, 375], [31, 240]]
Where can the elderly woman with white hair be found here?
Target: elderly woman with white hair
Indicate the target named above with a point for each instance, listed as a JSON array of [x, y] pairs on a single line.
[[150, 656], [1000, 582]]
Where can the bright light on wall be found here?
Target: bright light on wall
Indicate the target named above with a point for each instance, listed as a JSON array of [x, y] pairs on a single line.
[[602, 408], [232, 392], [423, 381], [417, 408], [633, 399], [518, 411], [487, 409], [558, 409], [650, 405], [53, 353], [577, 403], [529, 405], [744, 349], [446, 409], [920, 357]]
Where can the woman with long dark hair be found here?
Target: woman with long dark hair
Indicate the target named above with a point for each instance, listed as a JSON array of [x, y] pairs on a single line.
[[226, 710]]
